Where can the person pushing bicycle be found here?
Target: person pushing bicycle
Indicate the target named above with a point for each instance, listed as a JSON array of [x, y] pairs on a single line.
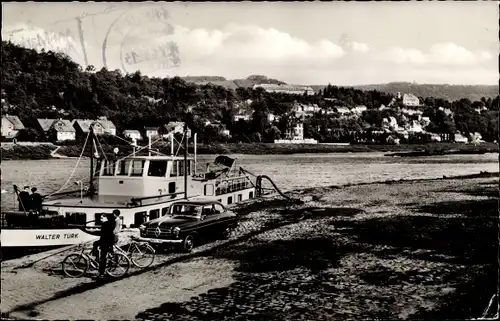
[[108, 238]]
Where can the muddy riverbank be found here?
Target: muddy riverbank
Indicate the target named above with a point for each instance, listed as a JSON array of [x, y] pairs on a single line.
[[390, 251]]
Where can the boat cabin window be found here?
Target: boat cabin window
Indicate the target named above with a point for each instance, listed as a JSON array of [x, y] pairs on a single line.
[[123, 166], [108, 168], [157, 168], [164, 211], [137, 167], [250, 195], [174, 172], [181, 167], [230, 200], [154, 214], [139, 218], [76, 218], [240, 197]]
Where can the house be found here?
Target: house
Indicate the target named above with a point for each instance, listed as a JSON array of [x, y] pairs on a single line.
[[343, 110], [57, 129], [107, 125], [296, 132], [61, 130], [410, 100], [447, 111], [459, 138], [132, 134], [435, 137], [286, 89], [390, 122], [177, 127], [425, 121], [411, 111], [152, 132], [244, 117], [11, 125], [306, 109], [359, 109], [82, 127], [415, 127]]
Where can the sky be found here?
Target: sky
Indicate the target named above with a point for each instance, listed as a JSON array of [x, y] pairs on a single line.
[[313, 43]]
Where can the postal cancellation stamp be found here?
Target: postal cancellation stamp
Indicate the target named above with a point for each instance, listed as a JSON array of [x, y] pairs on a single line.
[[142, 39]]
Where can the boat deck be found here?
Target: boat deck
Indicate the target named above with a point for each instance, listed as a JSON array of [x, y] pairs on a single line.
[[106, 201]]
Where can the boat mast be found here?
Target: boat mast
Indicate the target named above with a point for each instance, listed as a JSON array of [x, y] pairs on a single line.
[[185, 158], [91, 185]]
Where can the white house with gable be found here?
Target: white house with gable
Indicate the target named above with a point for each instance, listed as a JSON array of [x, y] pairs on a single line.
[[410, 100]]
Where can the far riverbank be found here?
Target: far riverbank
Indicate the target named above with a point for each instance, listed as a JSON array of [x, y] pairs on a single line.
[[46, 150]]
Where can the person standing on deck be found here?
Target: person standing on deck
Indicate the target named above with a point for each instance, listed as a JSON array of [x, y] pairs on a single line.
[[25, 200], [36, 200]]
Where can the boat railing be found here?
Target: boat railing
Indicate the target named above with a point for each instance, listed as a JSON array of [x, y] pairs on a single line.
[[232, 184]]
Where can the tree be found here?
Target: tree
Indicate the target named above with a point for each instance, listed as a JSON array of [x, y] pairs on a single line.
[[28, 135], [272, 133]]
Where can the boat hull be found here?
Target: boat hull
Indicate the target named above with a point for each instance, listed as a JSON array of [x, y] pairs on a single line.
[[38, 238]]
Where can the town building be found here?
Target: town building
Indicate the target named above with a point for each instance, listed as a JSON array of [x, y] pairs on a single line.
[[57, 129], [107, 125], [132, 134], [82, 127], [410, 100], [11, 125], [286, 89], [152, 132], [343, 110], [359, 109], [177, 127], [390, 123], [459, 138]]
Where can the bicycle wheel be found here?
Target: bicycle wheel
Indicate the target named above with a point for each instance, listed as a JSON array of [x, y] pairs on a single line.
[[142, 255], [118, 265], [75, 265]]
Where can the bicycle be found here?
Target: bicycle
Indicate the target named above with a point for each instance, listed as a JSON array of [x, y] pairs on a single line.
[[141, 254], [77, 264]]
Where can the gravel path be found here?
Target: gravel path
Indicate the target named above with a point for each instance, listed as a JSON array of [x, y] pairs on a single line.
[[387, 251]]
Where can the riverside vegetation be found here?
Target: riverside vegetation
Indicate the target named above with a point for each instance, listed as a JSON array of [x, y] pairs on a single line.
[[50, 85], [44, 151]]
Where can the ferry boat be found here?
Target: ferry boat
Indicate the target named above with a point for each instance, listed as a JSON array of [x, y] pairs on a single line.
[[141, 187]]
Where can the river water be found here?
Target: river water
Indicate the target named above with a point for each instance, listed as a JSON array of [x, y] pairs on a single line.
[[288, 171]]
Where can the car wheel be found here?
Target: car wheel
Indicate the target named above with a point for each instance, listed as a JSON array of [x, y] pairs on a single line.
[[188, 243]]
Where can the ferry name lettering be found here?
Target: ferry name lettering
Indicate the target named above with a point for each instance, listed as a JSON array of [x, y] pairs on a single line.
[[66, 236]]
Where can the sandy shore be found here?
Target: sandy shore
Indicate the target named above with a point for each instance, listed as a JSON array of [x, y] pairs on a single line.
[[421, 249]]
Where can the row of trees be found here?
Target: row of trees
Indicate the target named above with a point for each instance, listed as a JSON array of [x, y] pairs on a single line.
[[51, 85]]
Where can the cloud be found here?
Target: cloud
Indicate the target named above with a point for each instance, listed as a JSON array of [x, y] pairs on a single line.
[[236, 51], [360, 47], [252, 43], [445, 54]]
